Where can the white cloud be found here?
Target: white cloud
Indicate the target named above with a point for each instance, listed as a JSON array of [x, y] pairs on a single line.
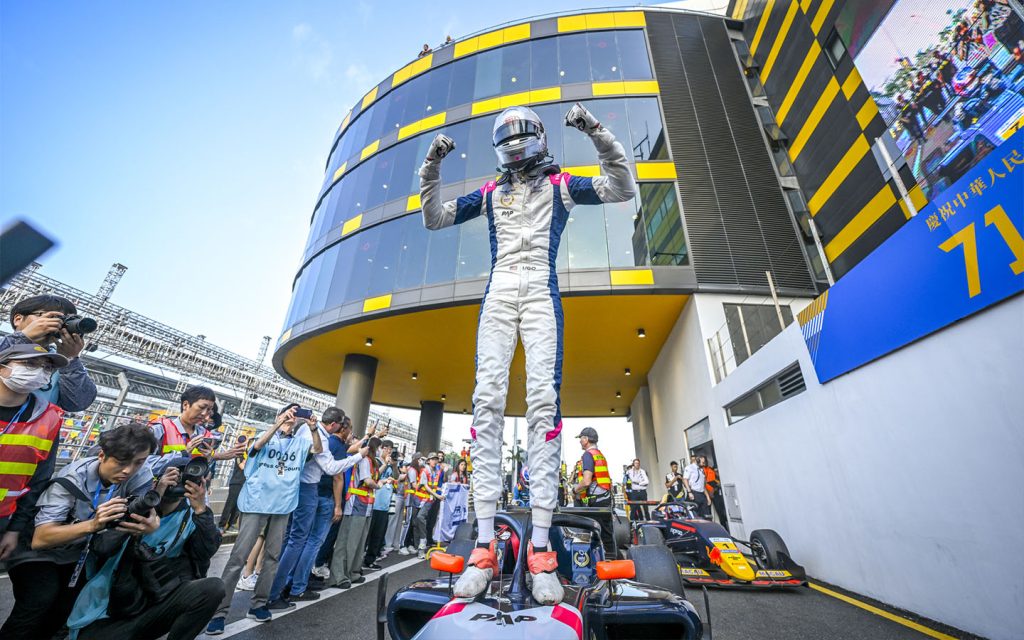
[[358, 75], [313, 51]]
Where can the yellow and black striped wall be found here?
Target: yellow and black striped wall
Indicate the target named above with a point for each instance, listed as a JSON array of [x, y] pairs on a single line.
[[831, 123]]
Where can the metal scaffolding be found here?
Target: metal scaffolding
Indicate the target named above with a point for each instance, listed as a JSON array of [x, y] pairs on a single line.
[[145, 340]]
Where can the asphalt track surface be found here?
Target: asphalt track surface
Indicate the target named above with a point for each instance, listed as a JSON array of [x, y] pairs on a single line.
[[736, 615]]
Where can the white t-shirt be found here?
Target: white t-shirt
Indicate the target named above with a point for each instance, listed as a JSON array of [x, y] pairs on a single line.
[[694, 476], [638, 478]]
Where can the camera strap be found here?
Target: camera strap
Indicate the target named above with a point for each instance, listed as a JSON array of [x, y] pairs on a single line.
[[78, 494]]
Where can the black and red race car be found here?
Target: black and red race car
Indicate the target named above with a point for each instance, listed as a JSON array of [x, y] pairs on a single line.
[[708, 555], [638, 598]]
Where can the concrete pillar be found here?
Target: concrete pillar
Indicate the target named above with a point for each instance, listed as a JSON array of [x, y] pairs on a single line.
[[644, 443], [428, 437], [355, 390]]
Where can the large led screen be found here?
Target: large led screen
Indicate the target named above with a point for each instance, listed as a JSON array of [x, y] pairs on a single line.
[[948, 77]]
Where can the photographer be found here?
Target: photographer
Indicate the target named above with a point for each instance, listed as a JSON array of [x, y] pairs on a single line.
[[186, 435], [86, 497], [41, 320], [381, 506], [153, 585], [270, 494]]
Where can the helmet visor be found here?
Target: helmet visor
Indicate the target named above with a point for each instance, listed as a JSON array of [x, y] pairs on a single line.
[[516, 128]]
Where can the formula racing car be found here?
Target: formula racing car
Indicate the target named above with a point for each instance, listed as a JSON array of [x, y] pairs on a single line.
[[638, 598], [709, 556]]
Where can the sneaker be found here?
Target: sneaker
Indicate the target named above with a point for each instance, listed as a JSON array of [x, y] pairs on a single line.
[[359, 580], [280, 605], [386, 550], [421, 553], [248, 583], [344, 585], [404, 551], [372, 567], [323, 571], [546, 588], [306, 596], [476, 577], [260, 614], [216, 627]]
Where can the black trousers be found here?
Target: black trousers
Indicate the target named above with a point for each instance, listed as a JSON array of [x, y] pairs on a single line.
[[182, 616], [375, 538], [42, 600], [719, 502], [607, 534], [638, 511], [230, 513], [703, 507]]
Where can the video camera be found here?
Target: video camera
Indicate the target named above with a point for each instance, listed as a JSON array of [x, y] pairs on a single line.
[[192, 469]]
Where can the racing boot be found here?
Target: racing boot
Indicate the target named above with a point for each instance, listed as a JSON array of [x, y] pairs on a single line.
[[477, 576], [543, 565]]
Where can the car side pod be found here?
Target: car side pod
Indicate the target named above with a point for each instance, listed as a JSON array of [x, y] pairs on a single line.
[[447, 563]]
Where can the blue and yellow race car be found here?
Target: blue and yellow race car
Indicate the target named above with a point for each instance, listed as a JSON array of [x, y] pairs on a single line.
[[638, 598], [708, 555]]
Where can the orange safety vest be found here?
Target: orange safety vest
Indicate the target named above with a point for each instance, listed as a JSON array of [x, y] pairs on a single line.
[[23, 445], [709, 477], [172, 441], [601, 476], [431, 480], [362, 495]]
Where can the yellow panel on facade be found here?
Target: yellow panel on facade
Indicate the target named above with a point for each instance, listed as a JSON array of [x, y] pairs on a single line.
[[819, 18], [485, 106], [412, 69], [492, 39], [640, 86], [546, 95], [344, 123], [851, 83], [413, 202], [572, 23], [867, 112], [608, 88], [855, 228], [798, 81], [369, 98], [584, 171], [853, 155], [284, 336], [376, 304], [780, 39], [369, 150], [515, 99], [352, 224], [338, 173], [625, 277], [817, 113], [739, 9], [630, 19], [517, 32], [761, 24], [424, 124], [600, 20], [466, 47], [655, 171]]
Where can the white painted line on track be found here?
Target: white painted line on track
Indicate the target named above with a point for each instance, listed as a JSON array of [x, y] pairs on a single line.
[[245, 624]]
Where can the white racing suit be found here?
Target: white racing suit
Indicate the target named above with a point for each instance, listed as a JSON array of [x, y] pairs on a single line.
[[526, 215]]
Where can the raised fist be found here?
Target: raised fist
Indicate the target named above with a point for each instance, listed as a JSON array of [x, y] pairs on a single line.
[[440, 147], [579, 118]]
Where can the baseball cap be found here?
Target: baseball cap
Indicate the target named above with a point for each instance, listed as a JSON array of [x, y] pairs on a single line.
[[590, 433], [432, 456], [30, 352]]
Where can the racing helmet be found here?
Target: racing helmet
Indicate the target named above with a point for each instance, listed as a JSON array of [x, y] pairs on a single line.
[[519, 138]]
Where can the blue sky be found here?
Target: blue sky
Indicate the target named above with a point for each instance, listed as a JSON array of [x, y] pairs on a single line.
[[187, 140]]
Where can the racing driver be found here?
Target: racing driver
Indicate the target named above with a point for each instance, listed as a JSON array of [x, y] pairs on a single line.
[[526, 208]]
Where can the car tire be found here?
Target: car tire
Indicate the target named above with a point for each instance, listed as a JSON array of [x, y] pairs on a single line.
[[620, 533], [650, 534], [656, 566], [772, 548]]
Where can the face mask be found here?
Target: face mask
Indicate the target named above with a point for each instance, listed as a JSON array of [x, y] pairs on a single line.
[[26, 379]]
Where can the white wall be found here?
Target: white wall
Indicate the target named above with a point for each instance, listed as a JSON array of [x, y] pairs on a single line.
[[900, 480]]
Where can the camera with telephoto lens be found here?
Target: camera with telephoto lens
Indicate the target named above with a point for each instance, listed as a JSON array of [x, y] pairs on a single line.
[[79, 324], [137, 505], [194, 470]]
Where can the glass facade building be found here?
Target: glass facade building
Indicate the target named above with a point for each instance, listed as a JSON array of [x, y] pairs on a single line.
[[368, 255]]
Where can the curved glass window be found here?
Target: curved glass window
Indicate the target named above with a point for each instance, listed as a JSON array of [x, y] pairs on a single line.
[[597, 56], [401, 254], [393, 174]]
